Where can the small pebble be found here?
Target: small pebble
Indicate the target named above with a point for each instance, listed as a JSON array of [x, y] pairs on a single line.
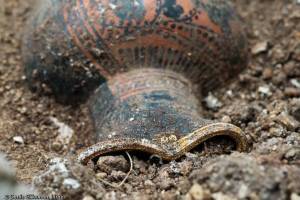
[[295, 196], [71, 183], [261, 47], [243, 191], [288, 121], [57, 146], [292, 92], [198, 193], [265, 90], [88, 198], [212, 102], [101, 175], [267, 73], [295, 83], [18, 140], [109, 163], [292, 154], [226, 119]]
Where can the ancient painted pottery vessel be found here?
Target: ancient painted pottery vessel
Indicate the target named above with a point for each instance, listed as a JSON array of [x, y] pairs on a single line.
[[144, 65]]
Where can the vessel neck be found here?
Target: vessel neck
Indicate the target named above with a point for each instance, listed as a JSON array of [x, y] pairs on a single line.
[[145, 101]]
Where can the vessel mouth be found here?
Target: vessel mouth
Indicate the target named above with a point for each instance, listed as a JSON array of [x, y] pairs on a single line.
[[215, 134], [217, 145]]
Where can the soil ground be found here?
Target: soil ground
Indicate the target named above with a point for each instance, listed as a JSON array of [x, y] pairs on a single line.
[[264, 101]]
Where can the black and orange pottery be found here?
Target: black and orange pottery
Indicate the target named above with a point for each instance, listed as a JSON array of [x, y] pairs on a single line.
[[144, 66]]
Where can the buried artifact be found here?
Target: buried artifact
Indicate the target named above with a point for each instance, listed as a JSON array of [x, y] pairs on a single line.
[[145, 64]]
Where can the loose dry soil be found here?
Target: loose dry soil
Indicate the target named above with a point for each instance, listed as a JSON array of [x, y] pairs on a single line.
[[264, 101]]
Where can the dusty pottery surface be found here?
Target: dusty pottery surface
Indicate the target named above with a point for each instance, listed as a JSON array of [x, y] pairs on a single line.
[[264, 101], [143, 65]]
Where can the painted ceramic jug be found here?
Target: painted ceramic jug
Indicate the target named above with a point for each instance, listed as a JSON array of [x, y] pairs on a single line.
[[144, 65]]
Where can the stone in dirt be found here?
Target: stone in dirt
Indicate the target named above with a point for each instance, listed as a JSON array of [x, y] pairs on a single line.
[[88, 198], [265, 90], [292, 92], [295, 196], [212, 102], [109, 163], [18, 140], [295, 83], [260, 48], [267, 73], [293, 154], [197, 192], [65, 131], [287, 121], [101, 175], [71, 183]]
